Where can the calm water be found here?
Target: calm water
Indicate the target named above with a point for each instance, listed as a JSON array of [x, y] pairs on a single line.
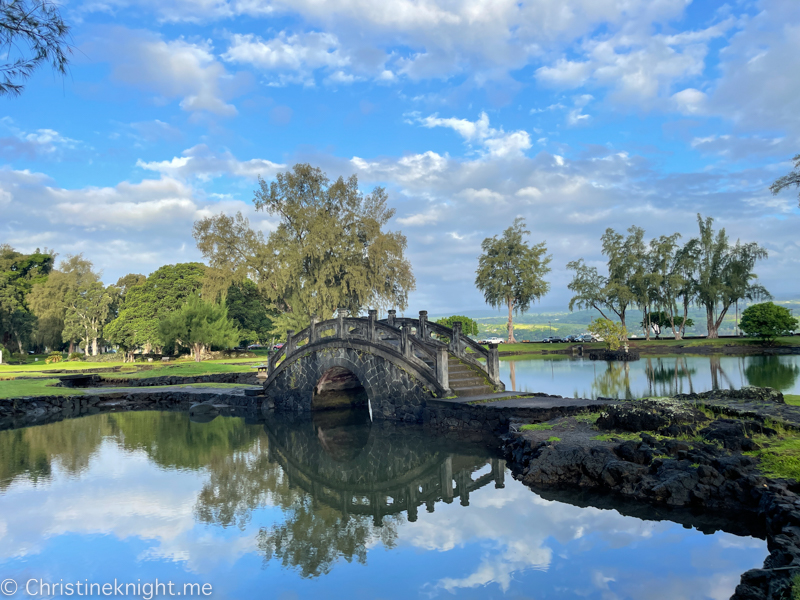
[[662, 376], [330, 508]]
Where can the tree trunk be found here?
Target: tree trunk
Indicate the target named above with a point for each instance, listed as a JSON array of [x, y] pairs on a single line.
[[197, 352], [71, 347], [712, 328], [511, 339], [646, 321]]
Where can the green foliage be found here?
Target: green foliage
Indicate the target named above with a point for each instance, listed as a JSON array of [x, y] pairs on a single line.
[[329, 250], [35, 34], [723, 273], [75, 356], [554, 438], [511, 272], [18, 274], [792, 179], [198, 325], [246, 308], [145, 304], [610, 332], [588, 417], [767, 321], [659, 320], [468, 326], [536, 427], [54, 357], [781, 459]]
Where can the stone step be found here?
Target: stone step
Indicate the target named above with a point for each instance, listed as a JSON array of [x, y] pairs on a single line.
[[473, 390], [466, 379]]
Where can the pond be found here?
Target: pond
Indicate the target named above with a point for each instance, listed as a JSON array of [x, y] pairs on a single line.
[[330, 507], [650, 376]]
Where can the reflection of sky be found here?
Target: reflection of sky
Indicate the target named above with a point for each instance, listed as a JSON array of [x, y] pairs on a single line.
[[126, 518], [654, 376]]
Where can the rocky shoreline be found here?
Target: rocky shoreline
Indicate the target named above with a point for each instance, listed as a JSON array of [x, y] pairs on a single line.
[[686, 453]]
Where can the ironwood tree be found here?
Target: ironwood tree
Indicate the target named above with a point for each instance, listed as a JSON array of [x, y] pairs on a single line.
[[791, 179], [511, 272]]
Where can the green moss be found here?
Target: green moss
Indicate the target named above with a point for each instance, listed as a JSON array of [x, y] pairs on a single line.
[[780, 458], [588, 417], [537, 427], [614, 437], [796, 587], [553, 439]]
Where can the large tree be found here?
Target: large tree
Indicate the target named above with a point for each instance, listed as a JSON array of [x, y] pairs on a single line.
[[32, 33], [246, 308], [767, 321], [511, 272], [19, 273], [723, 273], [88, 309], [145, 304], [50, 300], [199, 325], [329, 250], [792, 179], [626, 284]]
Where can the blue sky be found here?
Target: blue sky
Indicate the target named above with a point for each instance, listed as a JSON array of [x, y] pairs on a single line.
[[575, 114]]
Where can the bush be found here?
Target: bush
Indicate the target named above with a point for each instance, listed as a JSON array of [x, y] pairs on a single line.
[[75, 356], [610, 332], [6, 354], [767, 321], [53, 357]]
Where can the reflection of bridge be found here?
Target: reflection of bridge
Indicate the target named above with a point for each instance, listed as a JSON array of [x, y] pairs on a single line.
[[400, 362], [382, 472]]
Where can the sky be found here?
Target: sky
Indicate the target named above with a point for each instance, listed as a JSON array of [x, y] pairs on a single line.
[[577, 115]]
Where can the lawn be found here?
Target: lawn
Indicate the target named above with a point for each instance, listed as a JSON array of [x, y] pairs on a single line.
[[642, 344], [18, 388]]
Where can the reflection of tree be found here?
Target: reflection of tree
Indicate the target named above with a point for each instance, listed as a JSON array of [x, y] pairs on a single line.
[[315, 536], [718, 374], [32, 450], [665, 378], [172, 440], [770, 371], [512, 373], [615, 382]]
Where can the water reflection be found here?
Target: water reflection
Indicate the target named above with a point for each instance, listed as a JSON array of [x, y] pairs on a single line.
[[329, 507], [651, 376]]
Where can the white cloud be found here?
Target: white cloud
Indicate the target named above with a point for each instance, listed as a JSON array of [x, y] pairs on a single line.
[[42, 143], [175, 69], [201, 163], [495, 142]]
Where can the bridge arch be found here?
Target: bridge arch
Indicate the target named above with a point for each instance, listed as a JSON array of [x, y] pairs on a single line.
[[401, 363]]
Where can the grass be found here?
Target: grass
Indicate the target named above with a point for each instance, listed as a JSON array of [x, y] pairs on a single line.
[[18, 388], [792, 399], [588, 417], [537, 427], [641, 344], [613, 437], [554, 438]]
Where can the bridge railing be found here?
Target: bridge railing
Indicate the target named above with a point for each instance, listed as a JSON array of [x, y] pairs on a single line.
[[404, 336]]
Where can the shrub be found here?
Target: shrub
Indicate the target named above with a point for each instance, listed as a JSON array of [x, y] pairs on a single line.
[[53, 357], [610, 332], [75, 356], [767, 321]]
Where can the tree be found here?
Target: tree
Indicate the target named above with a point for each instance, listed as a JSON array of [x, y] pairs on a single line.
[[511, 272], [198, 325], [723, 274], [468, 326], [32, 33], [660, 319], [767, 321], [792, 179], [246, 308], [50, 300], [165, 290], [19, 273], [329, 250], [611, 332], [88, 308]]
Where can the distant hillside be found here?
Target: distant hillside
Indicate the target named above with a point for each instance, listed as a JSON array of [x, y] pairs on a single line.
[[536, 326]]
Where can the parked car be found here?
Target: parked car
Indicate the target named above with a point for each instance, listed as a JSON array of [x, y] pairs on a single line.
[[254, 346], [278, 346], [587, 338], [551, 340], [494, 340]]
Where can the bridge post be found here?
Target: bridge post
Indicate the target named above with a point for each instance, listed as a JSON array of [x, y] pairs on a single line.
[[442, 367], [405, 343], [455, 340], [341, 329], [422, 330], [373, 318], [493, 364], [289, 342], [312, 330], [499, 472], [390, 318]]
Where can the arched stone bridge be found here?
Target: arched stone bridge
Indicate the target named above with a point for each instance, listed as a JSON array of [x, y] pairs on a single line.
[[400, 362]]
